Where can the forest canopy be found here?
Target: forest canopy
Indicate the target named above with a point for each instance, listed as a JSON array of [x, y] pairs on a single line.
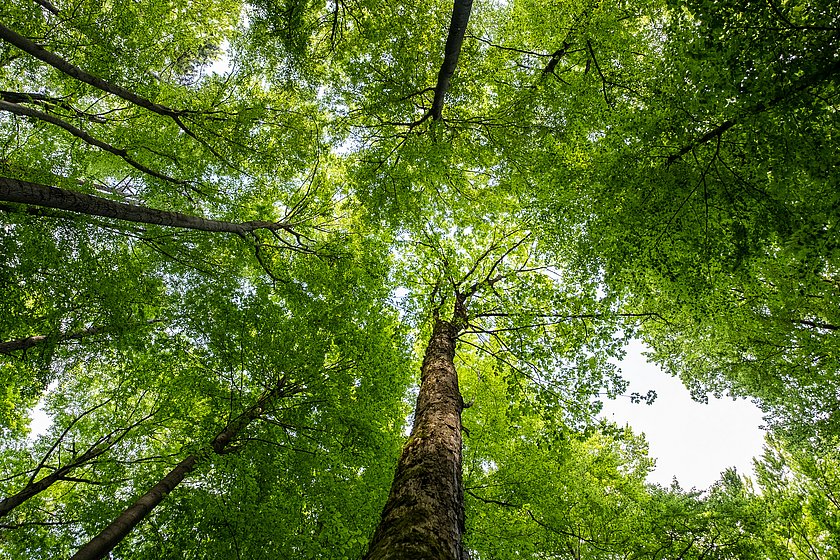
[[349, 279]]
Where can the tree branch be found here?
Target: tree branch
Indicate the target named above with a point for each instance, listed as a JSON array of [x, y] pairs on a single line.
[[23, 192], [28, 342], [823, 75], [82, 135], [31, 48], [47, 101]]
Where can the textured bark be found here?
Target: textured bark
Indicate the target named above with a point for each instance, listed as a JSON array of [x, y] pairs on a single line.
[[424, 515], [23, 192], [454, 40], [25, 343], [104, 542]]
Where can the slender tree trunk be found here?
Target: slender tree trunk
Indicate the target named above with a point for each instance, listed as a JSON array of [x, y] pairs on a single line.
[[104, 542], [461, 11], [23, 192], [424, 515]]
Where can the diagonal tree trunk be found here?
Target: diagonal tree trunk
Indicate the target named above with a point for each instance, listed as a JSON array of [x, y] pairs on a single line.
[[424, 515], [823, 75], [9, 346], [33, 49], [63, 473], [104, 542], [25, 343], [454, 40], [95, 450], [23, 192]]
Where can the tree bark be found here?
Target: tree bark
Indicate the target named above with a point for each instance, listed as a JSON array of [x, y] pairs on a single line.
[[454, 40], [25, 343], [23, 192], [104, 542], [424, 515]]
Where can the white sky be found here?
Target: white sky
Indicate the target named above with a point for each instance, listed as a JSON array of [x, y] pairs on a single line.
[[689, 440]]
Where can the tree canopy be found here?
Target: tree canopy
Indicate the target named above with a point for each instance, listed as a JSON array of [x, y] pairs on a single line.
[[233, 233]]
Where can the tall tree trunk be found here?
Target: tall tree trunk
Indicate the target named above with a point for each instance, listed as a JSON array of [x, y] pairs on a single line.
[[461, 11], [424, 515], [23, 192], [104, 542]]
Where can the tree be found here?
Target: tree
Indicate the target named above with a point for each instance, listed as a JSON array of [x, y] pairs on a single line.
[[462, 182], [111, 536]]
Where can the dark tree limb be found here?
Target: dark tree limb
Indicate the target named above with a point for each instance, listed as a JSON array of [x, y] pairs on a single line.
[[9, 346], [815, 324], [25, 343], [23, 192], [824, 75], [47, 6], [33, 49], [93, 452], [454, 40], [48, 102], [104, 542], [600, 73], [555, 58]]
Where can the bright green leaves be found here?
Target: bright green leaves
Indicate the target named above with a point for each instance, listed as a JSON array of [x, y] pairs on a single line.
[[599, 170], [532, 489], [799, 485]]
